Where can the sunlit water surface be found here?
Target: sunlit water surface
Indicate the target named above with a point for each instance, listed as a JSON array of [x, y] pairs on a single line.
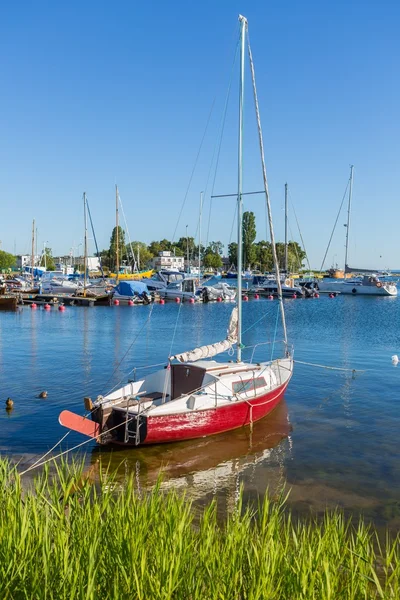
[[333, 441]]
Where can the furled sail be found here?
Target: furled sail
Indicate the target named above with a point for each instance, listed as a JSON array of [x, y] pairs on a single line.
[[213, 349]]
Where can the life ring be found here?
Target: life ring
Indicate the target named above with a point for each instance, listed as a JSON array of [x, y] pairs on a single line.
[[379, 284]]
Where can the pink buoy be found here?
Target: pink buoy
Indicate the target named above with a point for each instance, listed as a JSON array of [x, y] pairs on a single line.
[[116, 302], [130, 302], [219, 299], [256, 296], [33, 305], [61, 308], [331, 295], [177, 300], [191, 300], [245, 298], [294, 296], [47, 306], [270, 297], [316, 295], [162, 301]]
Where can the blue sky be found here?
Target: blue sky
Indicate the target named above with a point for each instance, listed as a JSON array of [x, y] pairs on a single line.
[[99, 93]]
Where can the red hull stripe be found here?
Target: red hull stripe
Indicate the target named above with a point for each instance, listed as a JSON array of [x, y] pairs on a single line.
[[186, 426], [79, 424]]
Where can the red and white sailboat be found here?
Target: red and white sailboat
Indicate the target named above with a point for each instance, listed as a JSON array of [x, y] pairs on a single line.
[[194, 396]]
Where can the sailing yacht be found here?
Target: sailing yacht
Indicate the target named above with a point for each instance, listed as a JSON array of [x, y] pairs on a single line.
[[369, 284], [195, 396]]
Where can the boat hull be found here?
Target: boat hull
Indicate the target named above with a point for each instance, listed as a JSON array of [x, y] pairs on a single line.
[[202, 423], [357, 289]]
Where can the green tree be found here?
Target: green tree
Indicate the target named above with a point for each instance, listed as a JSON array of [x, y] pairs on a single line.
[[143, 255], [113, 246], [7, 261], [296, 255], [249, 236], [104, 256], [47, 260], [264, 258], [212, 260], [216, 248], [232, 253], [156, 247], [183, 245]]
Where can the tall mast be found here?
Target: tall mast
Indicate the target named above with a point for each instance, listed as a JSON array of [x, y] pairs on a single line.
[[264, 172], [243, 23], [33, 248], [286, 228], [201, 208], [187, 251], [348, 218], [85, 244], [117, 230]]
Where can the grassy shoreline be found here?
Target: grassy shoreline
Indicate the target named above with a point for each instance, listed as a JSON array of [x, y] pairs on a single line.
[[64, 537]]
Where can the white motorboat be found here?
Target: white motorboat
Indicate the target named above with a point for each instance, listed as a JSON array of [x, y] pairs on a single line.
[[369, 285]]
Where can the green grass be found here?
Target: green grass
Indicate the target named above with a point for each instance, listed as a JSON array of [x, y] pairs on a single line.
[[65, 538]]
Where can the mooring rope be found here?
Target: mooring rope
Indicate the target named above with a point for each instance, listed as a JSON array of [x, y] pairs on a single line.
[[330, 368], [40, 464]]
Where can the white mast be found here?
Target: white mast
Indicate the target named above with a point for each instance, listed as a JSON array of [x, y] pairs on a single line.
[[243, 23], [286, 228], [348, 218], [33, 249], [201, 208], [85, 244]]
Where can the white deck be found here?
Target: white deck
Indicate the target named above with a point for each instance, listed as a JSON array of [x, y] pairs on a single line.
[[223, 383]]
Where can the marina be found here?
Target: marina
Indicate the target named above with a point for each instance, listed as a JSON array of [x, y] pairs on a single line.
[[337, 430], [197, 410]]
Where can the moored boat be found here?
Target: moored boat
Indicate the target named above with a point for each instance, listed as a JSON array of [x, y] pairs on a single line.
[[194, 396]]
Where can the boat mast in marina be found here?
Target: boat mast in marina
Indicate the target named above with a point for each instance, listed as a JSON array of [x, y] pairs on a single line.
[[286, 229], [85, 260], [348, 219], [33, 249], [116, 231], [201, 209], [195, 397], [243, 24]]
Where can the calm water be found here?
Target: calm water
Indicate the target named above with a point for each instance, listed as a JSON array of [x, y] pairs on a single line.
[[334, 441]]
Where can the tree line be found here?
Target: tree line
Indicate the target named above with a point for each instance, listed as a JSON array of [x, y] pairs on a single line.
[[256, 255]]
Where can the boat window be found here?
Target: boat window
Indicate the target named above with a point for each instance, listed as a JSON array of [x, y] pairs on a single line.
[[248, 385]]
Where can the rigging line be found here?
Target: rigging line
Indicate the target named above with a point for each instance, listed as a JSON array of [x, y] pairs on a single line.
[[295, 250], [274, 338], [334, 227], [233, 224], [94, 237], [222, 129], [194, 168], [124, 356], [176, 325], [265, 181], [135, 265], [298, 227]]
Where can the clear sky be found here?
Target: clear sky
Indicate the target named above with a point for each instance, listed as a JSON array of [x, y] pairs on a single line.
[[99, 93]]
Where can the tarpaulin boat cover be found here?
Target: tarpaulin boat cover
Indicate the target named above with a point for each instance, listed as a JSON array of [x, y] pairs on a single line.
[[131, 288]]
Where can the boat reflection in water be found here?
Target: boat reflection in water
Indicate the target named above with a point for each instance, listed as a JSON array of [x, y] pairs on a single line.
[[209, 467]]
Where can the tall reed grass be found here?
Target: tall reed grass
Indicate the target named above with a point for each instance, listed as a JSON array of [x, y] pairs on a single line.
[[64, 538]]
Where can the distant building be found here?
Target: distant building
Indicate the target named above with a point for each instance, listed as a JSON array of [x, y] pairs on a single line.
[[25, 260], [168, 261]]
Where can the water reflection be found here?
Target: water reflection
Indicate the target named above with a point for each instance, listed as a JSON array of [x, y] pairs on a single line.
[[209, 466]]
